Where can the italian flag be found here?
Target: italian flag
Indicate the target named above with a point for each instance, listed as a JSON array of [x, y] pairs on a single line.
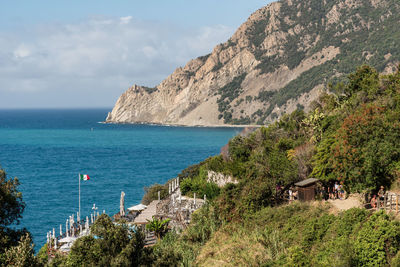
[[84, 177]]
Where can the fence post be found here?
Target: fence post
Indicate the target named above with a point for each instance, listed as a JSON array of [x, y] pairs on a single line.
[[385, 202], [391, 197], [397, 203]]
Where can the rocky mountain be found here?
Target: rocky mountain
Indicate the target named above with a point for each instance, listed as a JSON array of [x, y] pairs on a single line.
[[277, 61]]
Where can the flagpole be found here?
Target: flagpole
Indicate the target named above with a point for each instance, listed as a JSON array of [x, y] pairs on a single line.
[[79, 179]]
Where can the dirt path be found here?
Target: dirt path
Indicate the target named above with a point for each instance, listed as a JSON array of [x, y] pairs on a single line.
[[345, 204]]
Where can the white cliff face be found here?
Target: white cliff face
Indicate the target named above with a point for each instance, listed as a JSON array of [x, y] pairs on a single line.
[[225, 87], [186, 97]]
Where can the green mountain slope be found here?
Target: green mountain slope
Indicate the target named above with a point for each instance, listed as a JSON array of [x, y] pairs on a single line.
[[279, 60]]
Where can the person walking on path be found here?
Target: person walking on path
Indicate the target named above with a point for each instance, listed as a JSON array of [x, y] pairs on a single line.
[[373, 202], [336, 190]]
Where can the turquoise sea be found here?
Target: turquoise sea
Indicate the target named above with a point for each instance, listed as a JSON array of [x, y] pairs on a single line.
[[47, 149]]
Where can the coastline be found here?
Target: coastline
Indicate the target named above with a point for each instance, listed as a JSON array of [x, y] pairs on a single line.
[[185, 125]]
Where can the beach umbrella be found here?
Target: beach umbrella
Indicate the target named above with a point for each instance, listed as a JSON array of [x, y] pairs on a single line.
[[87, 223], [80, 229], [137, 207], [91, 218], [77, 217], [48, 238], [66, 228], [122, 204], [55, 243], [69, 239], [66, 247]]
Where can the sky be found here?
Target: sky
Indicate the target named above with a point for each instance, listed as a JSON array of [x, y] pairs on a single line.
[[85, 54]]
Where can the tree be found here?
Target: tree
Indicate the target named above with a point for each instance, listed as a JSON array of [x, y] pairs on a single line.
[[22, 254], [314, 123], [365, 79], [111, 244], [151, 193], [364, 151], [11, 208]]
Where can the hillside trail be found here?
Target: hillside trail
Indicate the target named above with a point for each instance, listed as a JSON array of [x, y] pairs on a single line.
[[352, 201]]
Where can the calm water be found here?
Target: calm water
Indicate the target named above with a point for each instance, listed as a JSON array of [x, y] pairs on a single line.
[[47, 149]]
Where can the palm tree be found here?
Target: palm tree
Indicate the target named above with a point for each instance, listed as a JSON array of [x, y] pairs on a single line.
[[159, 227]]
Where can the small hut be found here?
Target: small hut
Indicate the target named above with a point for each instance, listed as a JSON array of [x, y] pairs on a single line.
[[306, 189]]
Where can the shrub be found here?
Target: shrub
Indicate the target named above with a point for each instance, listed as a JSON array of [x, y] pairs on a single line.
[[151, 193]]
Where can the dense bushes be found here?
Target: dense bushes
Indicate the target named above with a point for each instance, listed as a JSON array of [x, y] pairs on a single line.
[[175, 250], [351, 136], [199, 185], [360, 142], [151, 193], [11, 209], [109, 244], [303, 235]]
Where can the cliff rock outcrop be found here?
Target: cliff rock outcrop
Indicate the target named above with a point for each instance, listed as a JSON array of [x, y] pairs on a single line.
[[279, 60]]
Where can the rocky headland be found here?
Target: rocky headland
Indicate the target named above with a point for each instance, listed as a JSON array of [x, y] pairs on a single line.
[[278, 61]]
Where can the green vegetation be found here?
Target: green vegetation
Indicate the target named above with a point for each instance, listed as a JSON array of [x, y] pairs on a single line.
[[365, 34], [227, 94], [109, 244], [204, 58], [16, 248], [190, 108], [198, 184], [245, 225], [150, 90], [159, 227], [303, 235], [20, 255], [352, 136], [151, 193], [11, 209], [359, 142]]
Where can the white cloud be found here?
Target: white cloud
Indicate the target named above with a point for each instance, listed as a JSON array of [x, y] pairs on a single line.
[[96, 60], [22, 51], [125, 20]]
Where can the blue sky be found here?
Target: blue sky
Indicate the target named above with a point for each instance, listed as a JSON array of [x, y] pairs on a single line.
[[85, 53]]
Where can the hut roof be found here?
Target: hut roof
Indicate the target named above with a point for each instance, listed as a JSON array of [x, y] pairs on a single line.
[[147, 214], [306, 182]]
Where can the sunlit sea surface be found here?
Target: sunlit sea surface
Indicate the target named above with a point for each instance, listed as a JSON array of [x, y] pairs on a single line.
[[47, 149]]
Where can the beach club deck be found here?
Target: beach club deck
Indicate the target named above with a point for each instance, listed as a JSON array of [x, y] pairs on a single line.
[[147, 215]]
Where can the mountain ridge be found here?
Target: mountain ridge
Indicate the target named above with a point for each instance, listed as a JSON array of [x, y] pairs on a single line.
[[277, 61]]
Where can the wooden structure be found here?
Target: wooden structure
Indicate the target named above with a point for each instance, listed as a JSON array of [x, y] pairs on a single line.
[[306, 189], [389, 203]]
